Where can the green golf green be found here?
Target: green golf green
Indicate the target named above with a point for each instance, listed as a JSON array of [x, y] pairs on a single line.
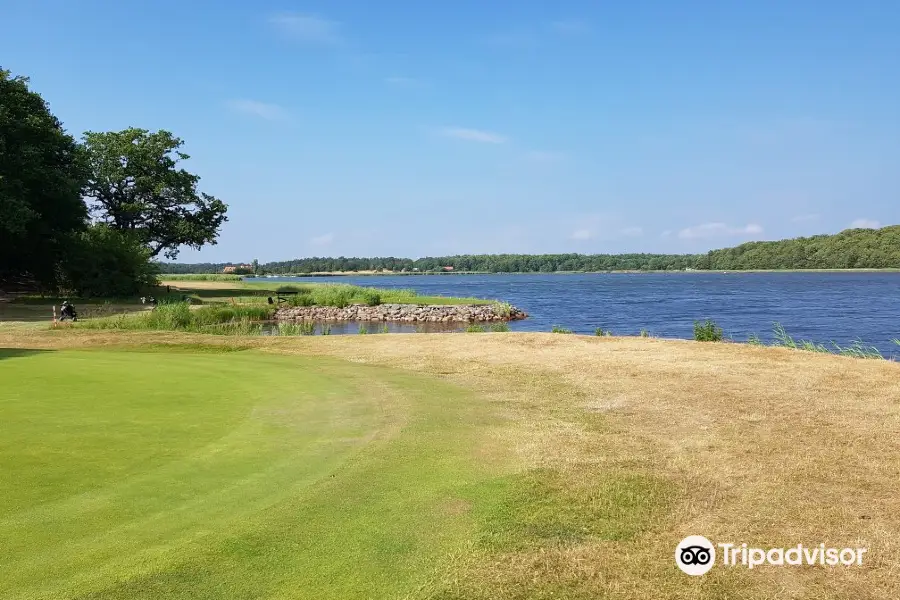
[[199, 474]]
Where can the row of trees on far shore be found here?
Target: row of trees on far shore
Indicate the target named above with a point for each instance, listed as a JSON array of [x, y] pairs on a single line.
[[90, 216], [850, 249]]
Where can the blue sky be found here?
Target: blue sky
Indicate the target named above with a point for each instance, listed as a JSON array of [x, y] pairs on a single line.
[[412, 128]]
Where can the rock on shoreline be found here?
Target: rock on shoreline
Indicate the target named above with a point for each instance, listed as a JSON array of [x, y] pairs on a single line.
[[410, 313]]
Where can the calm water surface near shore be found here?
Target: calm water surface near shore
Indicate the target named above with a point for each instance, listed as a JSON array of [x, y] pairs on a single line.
[[821, 307]]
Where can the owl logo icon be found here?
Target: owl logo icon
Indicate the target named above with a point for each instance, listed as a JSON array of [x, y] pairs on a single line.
[[695, 555]]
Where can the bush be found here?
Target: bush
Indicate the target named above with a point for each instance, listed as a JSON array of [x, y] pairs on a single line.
[[600, 332], [338, 295], [500, 327], [474, 328], [558, 329], [708, 331], [106, 262], [503, 309], [301, 300], [178, 316], [370, 297]]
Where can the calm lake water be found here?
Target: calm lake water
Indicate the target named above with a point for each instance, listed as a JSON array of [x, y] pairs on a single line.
[[821, 307]]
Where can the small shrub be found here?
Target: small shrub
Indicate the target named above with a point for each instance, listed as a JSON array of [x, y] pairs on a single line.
[[754, 340], [782, 338], [474, 328], [301, 300], [363, 330], [326, 329], [500, 327], [600, 332], [503, 309], [369, 297], [306, 328], [812, 346], [707, 331], [333, 294], [385, 329], [859, 349], [558, 329], [645, 333], [286, 329]]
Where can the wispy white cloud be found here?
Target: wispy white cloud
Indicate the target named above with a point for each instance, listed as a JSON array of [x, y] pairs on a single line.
[[633, 231], [322, 240], [711, 230], [570, 27], [263, 110], [805, 218], [310, 29], [474, 135], [582, 234], [865, 224]]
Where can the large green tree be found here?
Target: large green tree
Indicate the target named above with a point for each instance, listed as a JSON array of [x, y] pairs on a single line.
[[137, 185], [42, 172]]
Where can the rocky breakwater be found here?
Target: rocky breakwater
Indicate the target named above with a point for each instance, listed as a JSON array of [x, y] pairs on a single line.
[[408, 313]]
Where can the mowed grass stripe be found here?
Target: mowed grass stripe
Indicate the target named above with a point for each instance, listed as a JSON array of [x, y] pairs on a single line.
[[147, 475]]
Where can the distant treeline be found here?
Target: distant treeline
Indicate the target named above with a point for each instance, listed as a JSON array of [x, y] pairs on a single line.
[[850, 249]]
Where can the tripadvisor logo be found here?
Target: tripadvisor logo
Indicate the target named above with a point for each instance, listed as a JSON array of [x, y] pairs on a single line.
[[696, 555]]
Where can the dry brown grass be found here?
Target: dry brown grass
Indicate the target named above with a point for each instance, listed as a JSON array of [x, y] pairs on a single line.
[[767, 446]]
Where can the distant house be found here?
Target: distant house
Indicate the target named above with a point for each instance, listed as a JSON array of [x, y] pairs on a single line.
[[447, 268], [238, 269]]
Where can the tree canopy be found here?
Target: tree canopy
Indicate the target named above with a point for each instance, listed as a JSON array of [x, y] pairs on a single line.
[[849, 249], [89, 218], [853, 248], [137, 185], [42, 173]]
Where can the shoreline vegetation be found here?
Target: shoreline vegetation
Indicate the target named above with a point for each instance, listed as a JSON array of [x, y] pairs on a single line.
[[184, 277], [236, 308], [852, 249], [228, 305]]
